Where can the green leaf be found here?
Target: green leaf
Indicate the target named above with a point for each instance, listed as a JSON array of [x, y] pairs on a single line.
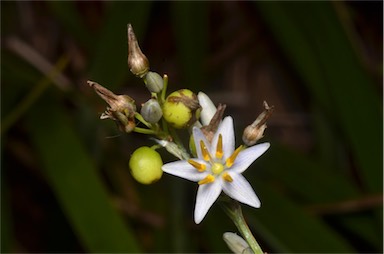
[[316, 184], [287, 228], [313, 38], [190, 26], [75, 182], [109, 63]]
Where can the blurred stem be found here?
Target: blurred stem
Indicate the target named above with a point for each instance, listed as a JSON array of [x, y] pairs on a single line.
[[38, 90], [144, 131], [164, 91], [233, 209], [141, 119]]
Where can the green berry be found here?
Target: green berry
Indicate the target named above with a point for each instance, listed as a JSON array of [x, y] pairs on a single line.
[[181, 108], [145, 165]]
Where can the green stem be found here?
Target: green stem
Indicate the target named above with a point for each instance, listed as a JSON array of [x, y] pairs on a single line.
[[164, 91], [233, 209], [144, 131], [141, 119]]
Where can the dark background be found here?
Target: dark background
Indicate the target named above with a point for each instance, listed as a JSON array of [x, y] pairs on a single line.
[[65, 182]]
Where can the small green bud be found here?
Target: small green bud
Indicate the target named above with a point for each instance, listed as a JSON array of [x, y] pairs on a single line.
[[154, 82], [145, 165], [137, 62], [181, 108], [151, 111]]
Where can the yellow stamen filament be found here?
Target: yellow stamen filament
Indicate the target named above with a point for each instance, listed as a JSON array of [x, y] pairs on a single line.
[[219, 147], [200, 167], [229, 162], [217, 168], [227, 177], [204, 151], [207, 179]]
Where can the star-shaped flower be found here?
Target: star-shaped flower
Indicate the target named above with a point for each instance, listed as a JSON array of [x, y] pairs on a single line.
[[219, 167]]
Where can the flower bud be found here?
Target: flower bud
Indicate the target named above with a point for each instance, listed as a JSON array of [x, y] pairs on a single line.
[[137, 61], [145, 165], [121, 108], [151, 111], [252, 133], [154, 82], [236, 243], [181, 108]]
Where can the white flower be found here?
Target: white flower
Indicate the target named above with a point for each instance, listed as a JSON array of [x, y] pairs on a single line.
[[218, 168]]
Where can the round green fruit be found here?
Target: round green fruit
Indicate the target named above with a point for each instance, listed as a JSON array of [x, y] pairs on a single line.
[[145, 165], [181, 108]]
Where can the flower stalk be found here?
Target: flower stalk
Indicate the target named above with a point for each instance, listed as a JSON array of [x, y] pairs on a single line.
[[233, 209]]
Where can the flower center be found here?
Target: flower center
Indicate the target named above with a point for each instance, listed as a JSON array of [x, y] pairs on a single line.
[[217, 168]]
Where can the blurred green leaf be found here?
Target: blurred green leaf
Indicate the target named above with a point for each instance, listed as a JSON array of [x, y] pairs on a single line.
[[109, 63], [190, 26], [6, 219], [75, 182], [316, 184], [287, 228], [70, 17], [320, 51]]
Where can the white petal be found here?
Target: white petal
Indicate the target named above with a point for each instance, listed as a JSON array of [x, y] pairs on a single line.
[[198, 136], [184, 170], [241, 190], [228, 135], [206, 196], [208, 108], [247, 156]]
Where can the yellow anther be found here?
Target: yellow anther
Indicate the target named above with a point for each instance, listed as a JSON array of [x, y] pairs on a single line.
[[217, 168], [229, 162], [199, 166], [204, 151], [219, 147], [227, 177], [207, 179]]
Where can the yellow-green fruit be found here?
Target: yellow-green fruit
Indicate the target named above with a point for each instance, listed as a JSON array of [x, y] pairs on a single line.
[[181, 108], [145, 165]]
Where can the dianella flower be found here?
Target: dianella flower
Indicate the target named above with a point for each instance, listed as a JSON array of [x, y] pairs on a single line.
[[218, 167]]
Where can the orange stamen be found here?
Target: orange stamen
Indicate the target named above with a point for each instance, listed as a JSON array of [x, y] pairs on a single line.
[[204, 151], [227, 177], [207, 179], [200, 167], [229, 162], [219, 147]]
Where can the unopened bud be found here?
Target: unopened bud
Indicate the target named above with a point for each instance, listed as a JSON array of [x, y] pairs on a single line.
[[181, 108], [235, 243], [151, 111], [137, 61], [121, 108], [252, 133], [154, 82]]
